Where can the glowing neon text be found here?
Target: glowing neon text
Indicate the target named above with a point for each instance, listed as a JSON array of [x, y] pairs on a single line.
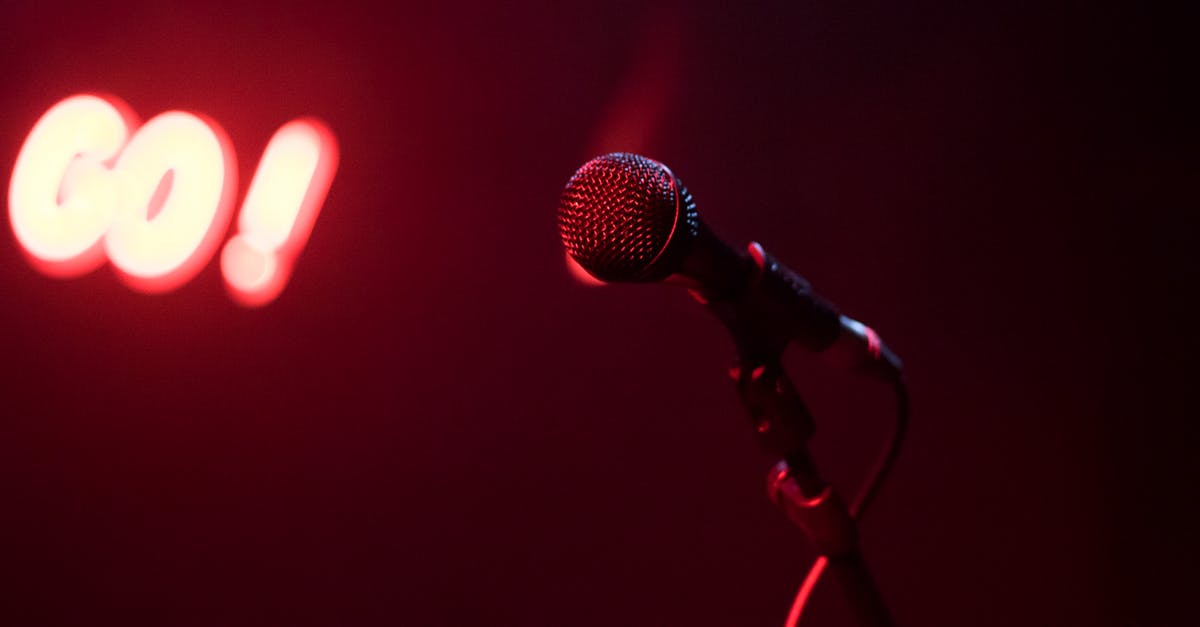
[[90, 185]]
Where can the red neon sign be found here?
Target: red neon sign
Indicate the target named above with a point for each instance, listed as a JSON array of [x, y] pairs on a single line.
[[154, 200]]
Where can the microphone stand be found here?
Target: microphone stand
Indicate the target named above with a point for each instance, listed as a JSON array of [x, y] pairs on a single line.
[[762, 329], [784, 424]]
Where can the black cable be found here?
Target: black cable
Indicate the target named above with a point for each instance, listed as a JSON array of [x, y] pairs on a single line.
[[883, 465]]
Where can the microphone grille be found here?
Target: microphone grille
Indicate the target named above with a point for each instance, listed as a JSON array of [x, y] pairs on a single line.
[[624, 217]]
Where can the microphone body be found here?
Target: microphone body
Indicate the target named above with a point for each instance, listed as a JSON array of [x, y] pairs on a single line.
[[627, 218]]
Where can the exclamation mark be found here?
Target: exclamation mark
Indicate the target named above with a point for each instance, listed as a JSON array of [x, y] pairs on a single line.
[[281, 206]]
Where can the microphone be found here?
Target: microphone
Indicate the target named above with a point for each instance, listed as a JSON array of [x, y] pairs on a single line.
[[626, 218]]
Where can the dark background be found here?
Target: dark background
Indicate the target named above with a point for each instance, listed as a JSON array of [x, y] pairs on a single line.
[[436, 425]]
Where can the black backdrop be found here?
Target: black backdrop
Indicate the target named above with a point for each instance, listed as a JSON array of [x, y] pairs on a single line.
[[435, 425]]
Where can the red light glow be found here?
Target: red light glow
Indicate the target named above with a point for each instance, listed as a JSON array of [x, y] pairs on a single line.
[[579, 274], [806, 590], [156, 200]]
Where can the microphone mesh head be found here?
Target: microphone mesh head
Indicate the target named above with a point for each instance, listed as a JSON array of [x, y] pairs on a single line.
[[624, 217]]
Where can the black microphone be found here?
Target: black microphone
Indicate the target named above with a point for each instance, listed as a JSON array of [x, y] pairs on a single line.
[[626, 218]]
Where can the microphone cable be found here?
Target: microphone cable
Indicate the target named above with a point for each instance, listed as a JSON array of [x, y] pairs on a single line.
[[883, 465]]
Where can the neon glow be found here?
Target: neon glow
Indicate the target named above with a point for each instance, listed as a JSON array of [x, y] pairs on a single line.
[[89, 185], [279, 211], [156, 253], [61, 201]]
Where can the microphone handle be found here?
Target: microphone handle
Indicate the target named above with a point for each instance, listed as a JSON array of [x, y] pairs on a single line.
[[765, 305]]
